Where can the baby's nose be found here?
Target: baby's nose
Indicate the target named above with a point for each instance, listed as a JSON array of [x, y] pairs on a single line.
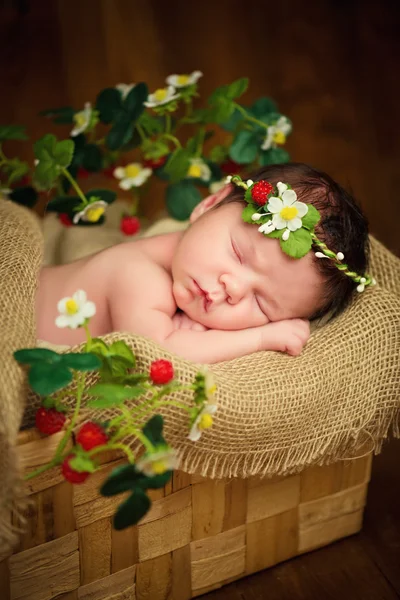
[[234, 288]]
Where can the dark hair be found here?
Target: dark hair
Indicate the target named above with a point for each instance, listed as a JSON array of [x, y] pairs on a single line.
[[343, 227]]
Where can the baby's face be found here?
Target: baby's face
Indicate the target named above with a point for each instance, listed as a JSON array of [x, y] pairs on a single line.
[[227, 275]]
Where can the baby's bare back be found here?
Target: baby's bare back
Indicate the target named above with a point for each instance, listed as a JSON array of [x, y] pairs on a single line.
[[98, 276]]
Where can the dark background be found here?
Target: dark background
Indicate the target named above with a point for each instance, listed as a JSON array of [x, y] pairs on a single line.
[[333, 68]]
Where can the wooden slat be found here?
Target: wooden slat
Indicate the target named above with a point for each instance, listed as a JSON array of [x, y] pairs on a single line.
[[267, 499], [45, 571], [271, 540], [169, 505], [317, 482], [208, 500], [181, 574], [218, 559], [325, 532], [166, 534], [153, 578], [124, 548], [235, 509], [89, 490], [95, 551], [119, 586], [329, 507]]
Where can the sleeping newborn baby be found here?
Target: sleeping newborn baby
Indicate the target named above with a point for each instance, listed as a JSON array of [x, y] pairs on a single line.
[[260, 259]]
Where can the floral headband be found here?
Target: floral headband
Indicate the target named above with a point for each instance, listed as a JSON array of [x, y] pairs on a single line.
[[280, 215]]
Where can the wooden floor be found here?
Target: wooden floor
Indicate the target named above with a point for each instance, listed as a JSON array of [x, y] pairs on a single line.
[[363, 567]]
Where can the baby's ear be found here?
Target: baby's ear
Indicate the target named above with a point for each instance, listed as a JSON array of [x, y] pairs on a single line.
[[209, 202]]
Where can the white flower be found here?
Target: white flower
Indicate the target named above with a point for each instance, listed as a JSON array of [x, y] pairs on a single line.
[[286, 210], [180, 81], [161, 96], [267, 227], [92, 212], [210, 387], [203, 421], [199, 169], [256, 216], [216, 186], [125, 88], [82, 120], [277, 133], [133, 175], [249, 182], [74, 311], [157, 463]]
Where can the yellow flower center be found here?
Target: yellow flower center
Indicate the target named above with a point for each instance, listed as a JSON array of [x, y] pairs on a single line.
[[160, 95], [71, 306], [206, 421], [159, 467], [183, 79], [211, 390], [80, 119], [289, 212], [194, 171], [132, 171], [279, 137], [94, 214]]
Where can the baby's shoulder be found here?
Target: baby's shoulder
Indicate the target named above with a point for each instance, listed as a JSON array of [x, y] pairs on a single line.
[[139, 278]]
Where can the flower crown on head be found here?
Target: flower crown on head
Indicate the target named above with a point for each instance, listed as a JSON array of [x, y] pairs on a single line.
[[280, 215]]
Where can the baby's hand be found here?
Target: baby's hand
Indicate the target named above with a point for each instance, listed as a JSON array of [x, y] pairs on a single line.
[[289, 335], [182, 321]]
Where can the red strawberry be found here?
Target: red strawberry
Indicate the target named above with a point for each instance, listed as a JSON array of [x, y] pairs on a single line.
[[70, 474], [129, 225], [230, 167], [91, 435], [49, 420], [155, 163], [82, 173], [260, 191], [65, 219], [161, 371]]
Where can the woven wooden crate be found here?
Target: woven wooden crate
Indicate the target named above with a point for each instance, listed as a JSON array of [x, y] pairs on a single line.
[[199, 534]]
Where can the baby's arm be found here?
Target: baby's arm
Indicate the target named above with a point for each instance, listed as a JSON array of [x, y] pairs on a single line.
[[150, 312]]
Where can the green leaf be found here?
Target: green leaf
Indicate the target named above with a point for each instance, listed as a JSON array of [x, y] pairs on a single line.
[[178, 164], [153, 430], [247, 213], [245, 147], [17, 169], [92, 159], [30, 356], [298, 244], [274, 156], [121, 350], [99, 346], [155, 482], [82, 464], [180, 199], [106, 195], [276, 234], [52, 155], [121, 480], [222, 110], [133, 103], [62, 115], [81, 361], [237, 88], [233, 122], [25, 196], [46, 378], [263, 108], [218, 153], [150, 123], [112, 394], [311, 217], [120, 133], [63, 204], [132, 510], [108, 103], [12, 132]]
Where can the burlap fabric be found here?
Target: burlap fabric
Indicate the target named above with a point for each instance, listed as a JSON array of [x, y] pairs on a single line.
[[277, 414]]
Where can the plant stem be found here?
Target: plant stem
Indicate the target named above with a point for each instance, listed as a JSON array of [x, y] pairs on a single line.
[[167, 123], [141, 132], [79, 394], [199, 149], [122, 447], [74, 184], [249, 117], [88, 337], [173, 139]]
